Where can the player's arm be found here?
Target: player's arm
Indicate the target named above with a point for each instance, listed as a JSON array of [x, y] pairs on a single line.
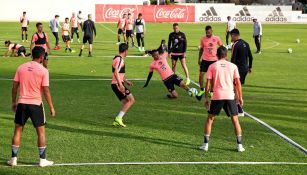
[[14, 95], [250, 59], [238, 90], [94, 28], [260, 27], [129, 83], [119, 82], [207, 91], [148, 78], [200, 54], [48, 45], [32, 45], [49, 100], [144, 26]]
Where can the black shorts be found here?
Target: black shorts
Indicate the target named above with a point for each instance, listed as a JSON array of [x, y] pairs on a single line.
[[120, 31], [21, 50], [121, 96], [24, 29], [204, 65], [229, 106], [66, 38], [74, 30], [88, 39], [242, 76], [26, 111], [129, 33], [171, 81], [176, 57]]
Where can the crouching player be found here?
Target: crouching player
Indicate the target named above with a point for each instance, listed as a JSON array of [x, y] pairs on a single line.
[[15, 49], [118, 84], [223, 76], [65, 35]]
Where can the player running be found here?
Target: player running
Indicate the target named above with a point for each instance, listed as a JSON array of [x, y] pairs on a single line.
[[40, 38], [65, 35], [54, 25], [129, 29], [121, 24], [89, 29], [33, 79], [177, 47], [24, 26], [222, 76], [74, 27], [140, 29], [15, 49], [167, 75], [207, 55], [118, 84]]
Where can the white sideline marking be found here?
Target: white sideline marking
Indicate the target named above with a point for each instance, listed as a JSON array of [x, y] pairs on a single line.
[[275, 44], [173, 163], [99, 56], [81, 79], [286, 138], [108, 29]]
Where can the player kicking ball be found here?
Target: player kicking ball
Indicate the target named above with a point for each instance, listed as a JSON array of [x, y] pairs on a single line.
[[223, 76], [118, 84], [167, 75]]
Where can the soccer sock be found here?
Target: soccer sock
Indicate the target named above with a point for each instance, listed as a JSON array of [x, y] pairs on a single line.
[[26, 36], [90, 53], [206, 138], [118, 40], [81, 51], [69, 49], [202, 89], [239, 139], [121, 114], [22, 36], [42, 152], [15, 149], [77, 35]]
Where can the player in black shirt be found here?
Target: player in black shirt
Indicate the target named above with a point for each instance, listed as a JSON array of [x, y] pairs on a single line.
[[177, 47], [88, 29]]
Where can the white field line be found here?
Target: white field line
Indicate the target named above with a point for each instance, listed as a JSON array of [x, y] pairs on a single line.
[[108, 29], [274, 45], [80, 79], [172, 163], [99, 56], [286, 138]]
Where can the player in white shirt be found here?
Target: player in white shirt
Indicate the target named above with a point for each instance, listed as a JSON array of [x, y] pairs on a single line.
[[121, 24], [24, 26], [66, 35], [80, 19], [257, 34], [230, 26], [140, 29]]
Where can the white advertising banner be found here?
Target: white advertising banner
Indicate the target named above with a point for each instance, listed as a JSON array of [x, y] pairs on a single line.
[[240, 13]]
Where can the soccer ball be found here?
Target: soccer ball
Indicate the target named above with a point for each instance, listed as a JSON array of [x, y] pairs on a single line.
[[192, 92], [290, 50], [298, 41]]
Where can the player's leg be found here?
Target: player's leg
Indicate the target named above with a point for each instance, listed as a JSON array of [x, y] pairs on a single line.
[[132, 38], [72, 34], [238, 132], [77, 33], [201, 80], [127, 37], [118, 35], [90, 50], [41, 144], [174, 62], [26, 33], [185, 69], [15, 144], [138, 39], [260, 39], [126, 105], [143, 42], [227, 38], [22, 34], [82, 46]]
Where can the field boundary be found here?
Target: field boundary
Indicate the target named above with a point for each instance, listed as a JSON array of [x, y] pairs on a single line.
[[81, 79]]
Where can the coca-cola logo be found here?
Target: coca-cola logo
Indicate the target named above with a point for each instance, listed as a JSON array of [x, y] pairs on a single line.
[[115, 13], [176, 13]]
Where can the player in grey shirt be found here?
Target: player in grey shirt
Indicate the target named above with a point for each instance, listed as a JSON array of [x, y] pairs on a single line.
[[54, 25], [257, 34], [140, 29]]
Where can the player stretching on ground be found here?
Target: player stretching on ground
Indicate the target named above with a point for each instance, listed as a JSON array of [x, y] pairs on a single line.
[[65, 35], [40, 38], [118, 84], [221, 76], [89, 29], [33, 79], [129, 29], [121, 24], [169, 78], [177, 47], [207, 55], [15, 49], [140, 29], [24, 26], [74, 27]]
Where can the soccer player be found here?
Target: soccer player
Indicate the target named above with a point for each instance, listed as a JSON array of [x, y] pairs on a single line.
[[24, 26], [223, 76], [207, 55], [15, 49], [129, 29], [257, 35], [242, 57], [54, 25], [80, 19], [230, 26], [40, 38], [74, 27], [177, 47], [169, 78], [139, 26], [89, 29], [118, 84], [121, 24], [65, 35], [32, 79]]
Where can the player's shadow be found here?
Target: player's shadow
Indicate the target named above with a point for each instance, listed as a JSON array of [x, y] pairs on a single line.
[[122, 135]]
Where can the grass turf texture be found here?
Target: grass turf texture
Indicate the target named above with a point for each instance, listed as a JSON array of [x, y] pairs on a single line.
[[160, 129]]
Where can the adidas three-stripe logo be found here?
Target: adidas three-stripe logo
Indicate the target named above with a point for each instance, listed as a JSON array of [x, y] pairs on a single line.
[[243, 15], [210, 15], [276, 16]]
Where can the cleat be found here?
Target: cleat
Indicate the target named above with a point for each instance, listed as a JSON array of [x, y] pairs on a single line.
[[204, 147], [12, 162], [199, 97], [118, 43], [188, 82], [90, 55], [140, 49], [45, 162], [119, 122], [240, 148], [143, 49], [168, 95], [201, 93]]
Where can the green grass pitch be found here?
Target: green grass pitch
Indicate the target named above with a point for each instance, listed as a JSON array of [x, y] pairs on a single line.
[[160, 129]]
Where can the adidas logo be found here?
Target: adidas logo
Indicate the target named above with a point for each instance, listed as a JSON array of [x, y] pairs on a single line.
[[210, 15], [243, 15], [276, 16]]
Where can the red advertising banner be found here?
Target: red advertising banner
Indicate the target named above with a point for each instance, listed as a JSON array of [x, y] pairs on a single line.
[[153, 13]]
